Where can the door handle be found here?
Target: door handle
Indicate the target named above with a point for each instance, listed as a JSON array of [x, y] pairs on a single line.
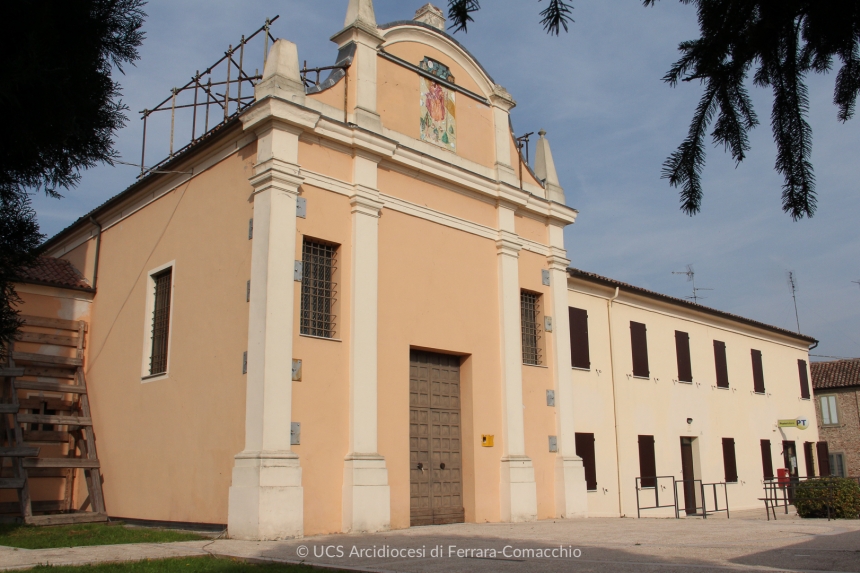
[[421, 467], [442, 466]]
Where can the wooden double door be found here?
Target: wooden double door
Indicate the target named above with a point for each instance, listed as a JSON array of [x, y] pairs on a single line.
[[435, 456]]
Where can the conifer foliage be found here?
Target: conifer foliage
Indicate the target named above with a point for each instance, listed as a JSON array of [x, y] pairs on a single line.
[[61, 111], [780, 42]]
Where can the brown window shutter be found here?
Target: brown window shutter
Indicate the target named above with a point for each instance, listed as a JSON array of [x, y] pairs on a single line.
[[823, 458], [161, 321], [810, 459], [758, 371], [579, 356], [729, 461], [585, 450], [721, 364], [639, 343], [682, 351], [647, 461], [766, 459], [804, 379]]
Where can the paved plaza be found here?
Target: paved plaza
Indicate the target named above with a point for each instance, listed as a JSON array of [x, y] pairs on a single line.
[[746, 542]]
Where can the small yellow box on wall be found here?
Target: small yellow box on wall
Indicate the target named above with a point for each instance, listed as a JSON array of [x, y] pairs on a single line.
[[487, 440]]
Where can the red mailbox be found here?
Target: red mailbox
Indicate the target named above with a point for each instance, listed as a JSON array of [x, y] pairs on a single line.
[[782, 476]]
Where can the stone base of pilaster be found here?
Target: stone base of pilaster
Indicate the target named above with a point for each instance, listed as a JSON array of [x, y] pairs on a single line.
[[571, 491], [266, 498], [368, 120], [518, 491], [366, 494]]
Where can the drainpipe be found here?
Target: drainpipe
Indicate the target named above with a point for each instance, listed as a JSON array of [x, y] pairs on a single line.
[[98, 248], [615, 402]]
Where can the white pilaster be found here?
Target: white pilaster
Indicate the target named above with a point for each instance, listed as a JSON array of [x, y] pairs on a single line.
[[518, 492], [503, 103], [570, 487], [366, 494], [266, 498], [360, 28]]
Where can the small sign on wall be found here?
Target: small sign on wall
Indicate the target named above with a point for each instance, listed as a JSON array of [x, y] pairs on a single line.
[[799, 423]]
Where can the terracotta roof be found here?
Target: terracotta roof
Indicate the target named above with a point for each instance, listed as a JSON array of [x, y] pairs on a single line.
[[54, 272], [836, 374], [595, 278]]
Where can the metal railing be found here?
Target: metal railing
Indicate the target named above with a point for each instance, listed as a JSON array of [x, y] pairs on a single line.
[[782, 493], [657, 488], [699, 490]]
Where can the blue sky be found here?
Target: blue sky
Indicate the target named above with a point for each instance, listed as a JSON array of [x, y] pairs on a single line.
[[597, 90]]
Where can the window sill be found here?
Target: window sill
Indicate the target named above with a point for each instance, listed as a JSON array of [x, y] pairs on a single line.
[[320, 337], [806, 399], [723, 387], [583, 370], [685, 382], [536, 365], [592, 490], [642, 377], [760, 393], [154, 377]]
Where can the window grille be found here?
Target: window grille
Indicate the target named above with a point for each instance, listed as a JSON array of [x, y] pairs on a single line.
[[531, 336], [318, 288], [160, 322]]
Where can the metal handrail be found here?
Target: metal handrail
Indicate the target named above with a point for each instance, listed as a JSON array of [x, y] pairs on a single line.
[[787, 487], [656, 487]]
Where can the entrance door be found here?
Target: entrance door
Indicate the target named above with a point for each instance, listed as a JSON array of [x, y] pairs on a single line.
[[789, 458], [688, 475], [436, 479]]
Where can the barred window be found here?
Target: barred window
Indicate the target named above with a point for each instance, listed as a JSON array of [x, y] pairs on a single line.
[[529, 319], [318, 288], [160, 322]]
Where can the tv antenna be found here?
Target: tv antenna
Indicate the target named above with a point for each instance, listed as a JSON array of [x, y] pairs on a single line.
[[691, 277], [856, 283], [792, 284]]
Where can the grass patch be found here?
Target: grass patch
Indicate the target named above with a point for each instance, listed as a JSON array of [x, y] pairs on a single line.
[[182, 565], [32, 537]]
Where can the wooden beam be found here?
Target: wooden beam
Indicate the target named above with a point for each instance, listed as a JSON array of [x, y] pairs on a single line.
[[40, 338], [54, 419], [19, 452], [49, 505], [60, 463], [46, 359], [50, 387], [12, 372], [50, 403], [9, 408], [65, 518], [12, 483], [43, 322]]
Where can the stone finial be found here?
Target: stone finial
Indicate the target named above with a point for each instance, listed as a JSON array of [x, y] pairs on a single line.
[[281, 76], [360, 12], [431, 15], [545, 170]]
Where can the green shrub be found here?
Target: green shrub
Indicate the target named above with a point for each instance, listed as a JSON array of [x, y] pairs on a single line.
[[812, 497]]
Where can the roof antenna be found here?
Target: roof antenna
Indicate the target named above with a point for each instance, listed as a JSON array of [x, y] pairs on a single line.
[[792, 284], [691, 277], [856, 283]]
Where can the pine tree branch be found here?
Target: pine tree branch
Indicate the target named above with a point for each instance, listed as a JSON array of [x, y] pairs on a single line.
[[848, 83], [460, 14], [556, 16]]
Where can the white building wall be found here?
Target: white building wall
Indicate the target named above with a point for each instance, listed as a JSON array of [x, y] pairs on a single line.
[[660, 405]]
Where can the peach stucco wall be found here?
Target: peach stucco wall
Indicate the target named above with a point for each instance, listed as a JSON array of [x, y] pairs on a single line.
[[167, 445]]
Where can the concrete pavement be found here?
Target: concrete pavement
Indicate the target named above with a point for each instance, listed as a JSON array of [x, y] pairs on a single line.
[[747, 542]]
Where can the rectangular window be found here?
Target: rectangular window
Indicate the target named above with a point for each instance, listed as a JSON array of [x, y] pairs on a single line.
[[647, 461], [766, 460], [682, 352], [721, 363], [529, 311], [160, 321], [829, 415], [804, 379], [826, 466], [579, 355], [837, 465], [729, 462], [585, 450], [809, 458], [758, 372], [318, 288], [639, 344]]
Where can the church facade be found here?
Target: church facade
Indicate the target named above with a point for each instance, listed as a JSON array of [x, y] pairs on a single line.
[[351, 309]]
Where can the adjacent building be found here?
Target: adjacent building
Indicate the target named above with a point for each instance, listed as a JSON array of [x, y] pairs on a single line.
[[836, 386], [350, 308]]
